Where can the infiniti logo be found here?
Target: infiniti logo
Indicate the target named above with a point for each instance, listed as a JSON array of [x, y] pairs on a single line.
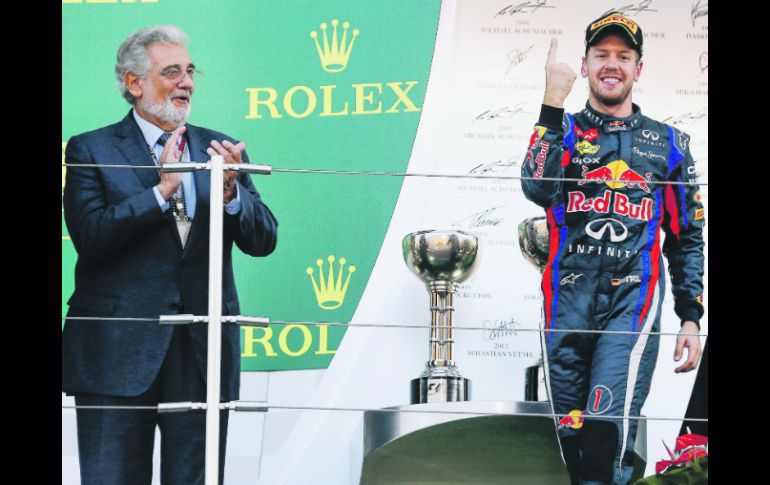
[[598, 227], [650, 135]]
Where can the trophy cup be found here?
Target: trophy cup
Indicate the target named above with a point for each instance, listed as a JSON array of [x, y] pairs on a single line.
[[533, 241], [442, 259]]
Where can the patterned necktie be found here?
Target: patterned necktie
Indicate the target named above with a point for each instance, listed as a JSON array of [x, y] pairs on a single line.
[[178, 207], [163, 139], [177, 202]]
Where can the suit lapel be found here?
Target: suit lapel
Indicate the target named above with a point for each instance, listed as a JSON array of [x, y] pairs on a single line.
[[134, 148], [135, 151]]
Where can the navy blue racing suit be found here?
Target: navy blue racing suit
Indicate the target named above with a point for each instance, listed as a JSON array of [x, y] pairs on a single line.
[[605, 271]]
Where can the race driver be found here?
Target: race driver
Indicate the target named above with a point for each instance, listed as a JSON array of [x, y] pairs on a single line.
[[605, 268]]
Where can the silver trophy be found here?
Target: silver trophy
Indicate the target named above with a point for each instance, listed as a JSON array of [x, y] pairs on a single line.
[[533, 241], [442, 259]]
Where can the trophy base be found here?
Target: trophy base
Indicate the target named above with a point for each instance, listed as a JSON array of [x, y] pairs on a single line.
[[531, 383], [440, 389]]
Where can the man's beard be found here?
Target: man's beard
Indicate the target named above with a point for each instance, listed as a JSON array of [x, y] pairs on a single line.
[[613, 100], [167, 112]]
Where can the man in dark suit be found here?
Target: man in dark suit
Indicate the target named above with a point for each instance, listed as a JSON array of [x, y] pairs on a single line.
[[142, 239]]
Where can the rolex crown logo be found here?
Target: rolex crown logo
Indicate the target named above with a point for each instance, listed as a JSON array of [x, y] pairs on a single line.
[[334, 57], [328, 293]]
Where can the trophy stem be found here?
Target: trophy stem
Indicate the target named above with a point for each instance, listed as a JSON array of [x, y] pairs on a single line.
[[441, 313], [434, 323], [441, 337], [450, 342]]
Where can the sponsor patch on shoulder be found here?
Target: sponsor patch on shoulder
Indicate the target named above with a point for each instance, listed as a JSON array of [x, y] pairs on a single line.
[[534, 142], [700, 299], [700, 214], [537, 135]]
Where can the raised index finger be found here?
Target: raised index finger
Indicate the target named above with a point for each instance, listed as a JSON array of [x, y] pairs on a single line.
[[552, 52]]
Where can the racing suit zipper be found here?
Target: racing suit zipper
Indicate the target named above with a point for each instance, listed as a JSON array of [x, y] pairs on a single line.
[[624, 152]]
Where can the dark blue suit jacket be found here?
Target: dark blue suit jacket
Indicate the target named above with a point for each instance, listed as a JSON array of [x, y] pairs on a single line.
[[131, 263]]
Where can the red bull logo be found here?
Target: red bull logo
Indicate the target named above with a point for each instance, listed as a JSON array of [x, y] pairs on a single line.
[[597, 175], [616, 175], [632, 179], [534, 140], [615, 202], [616, 125], [700, 214], [573, 420], [536, 136]]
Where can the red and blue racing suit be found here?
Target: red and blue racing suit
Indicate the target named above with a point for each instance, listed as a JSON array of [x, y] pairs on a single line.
[[605, 270]]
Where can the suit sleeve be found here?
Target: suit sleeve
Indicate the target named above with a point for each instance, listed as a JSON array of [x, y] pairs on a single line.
[[683, 222], [100, 231], [254, 229], [544, 157]]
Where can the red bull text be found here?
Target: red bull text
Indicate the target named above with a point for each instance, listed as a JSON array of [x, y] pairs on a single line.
[[604, 203], [540, 160]]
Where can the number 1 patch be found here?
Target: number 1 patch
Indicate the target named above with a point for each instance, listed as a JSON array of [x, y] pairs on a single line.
[[599, 400]]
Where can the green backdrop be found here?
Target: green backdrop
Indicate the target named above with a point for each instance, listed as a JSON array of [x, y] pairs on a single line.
[[250, 51]]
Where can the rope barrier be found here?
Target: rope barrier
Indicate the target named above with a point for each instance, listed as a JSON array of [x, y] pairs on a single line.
[[251, 406], [405, 174], [384, 325]]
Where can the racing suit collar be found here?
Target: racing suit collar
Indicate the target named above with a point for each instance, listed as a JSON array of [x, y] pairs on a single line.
[[613, 124]]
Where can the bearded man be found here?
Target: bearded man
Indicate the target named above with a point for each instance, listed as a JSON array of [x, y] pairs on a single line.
[[142, 238]]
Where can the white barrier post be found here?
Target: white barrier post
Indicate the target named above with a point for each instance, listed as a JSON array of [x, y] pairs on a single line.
[[214, 358]]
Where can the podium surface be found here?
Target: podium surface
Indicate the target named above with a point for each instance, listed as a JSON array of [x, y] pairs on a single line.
[[448, 443]]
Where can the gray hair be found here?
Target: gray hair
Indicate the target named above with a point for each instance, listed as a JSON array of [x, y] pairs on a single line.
[[132, 53]]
